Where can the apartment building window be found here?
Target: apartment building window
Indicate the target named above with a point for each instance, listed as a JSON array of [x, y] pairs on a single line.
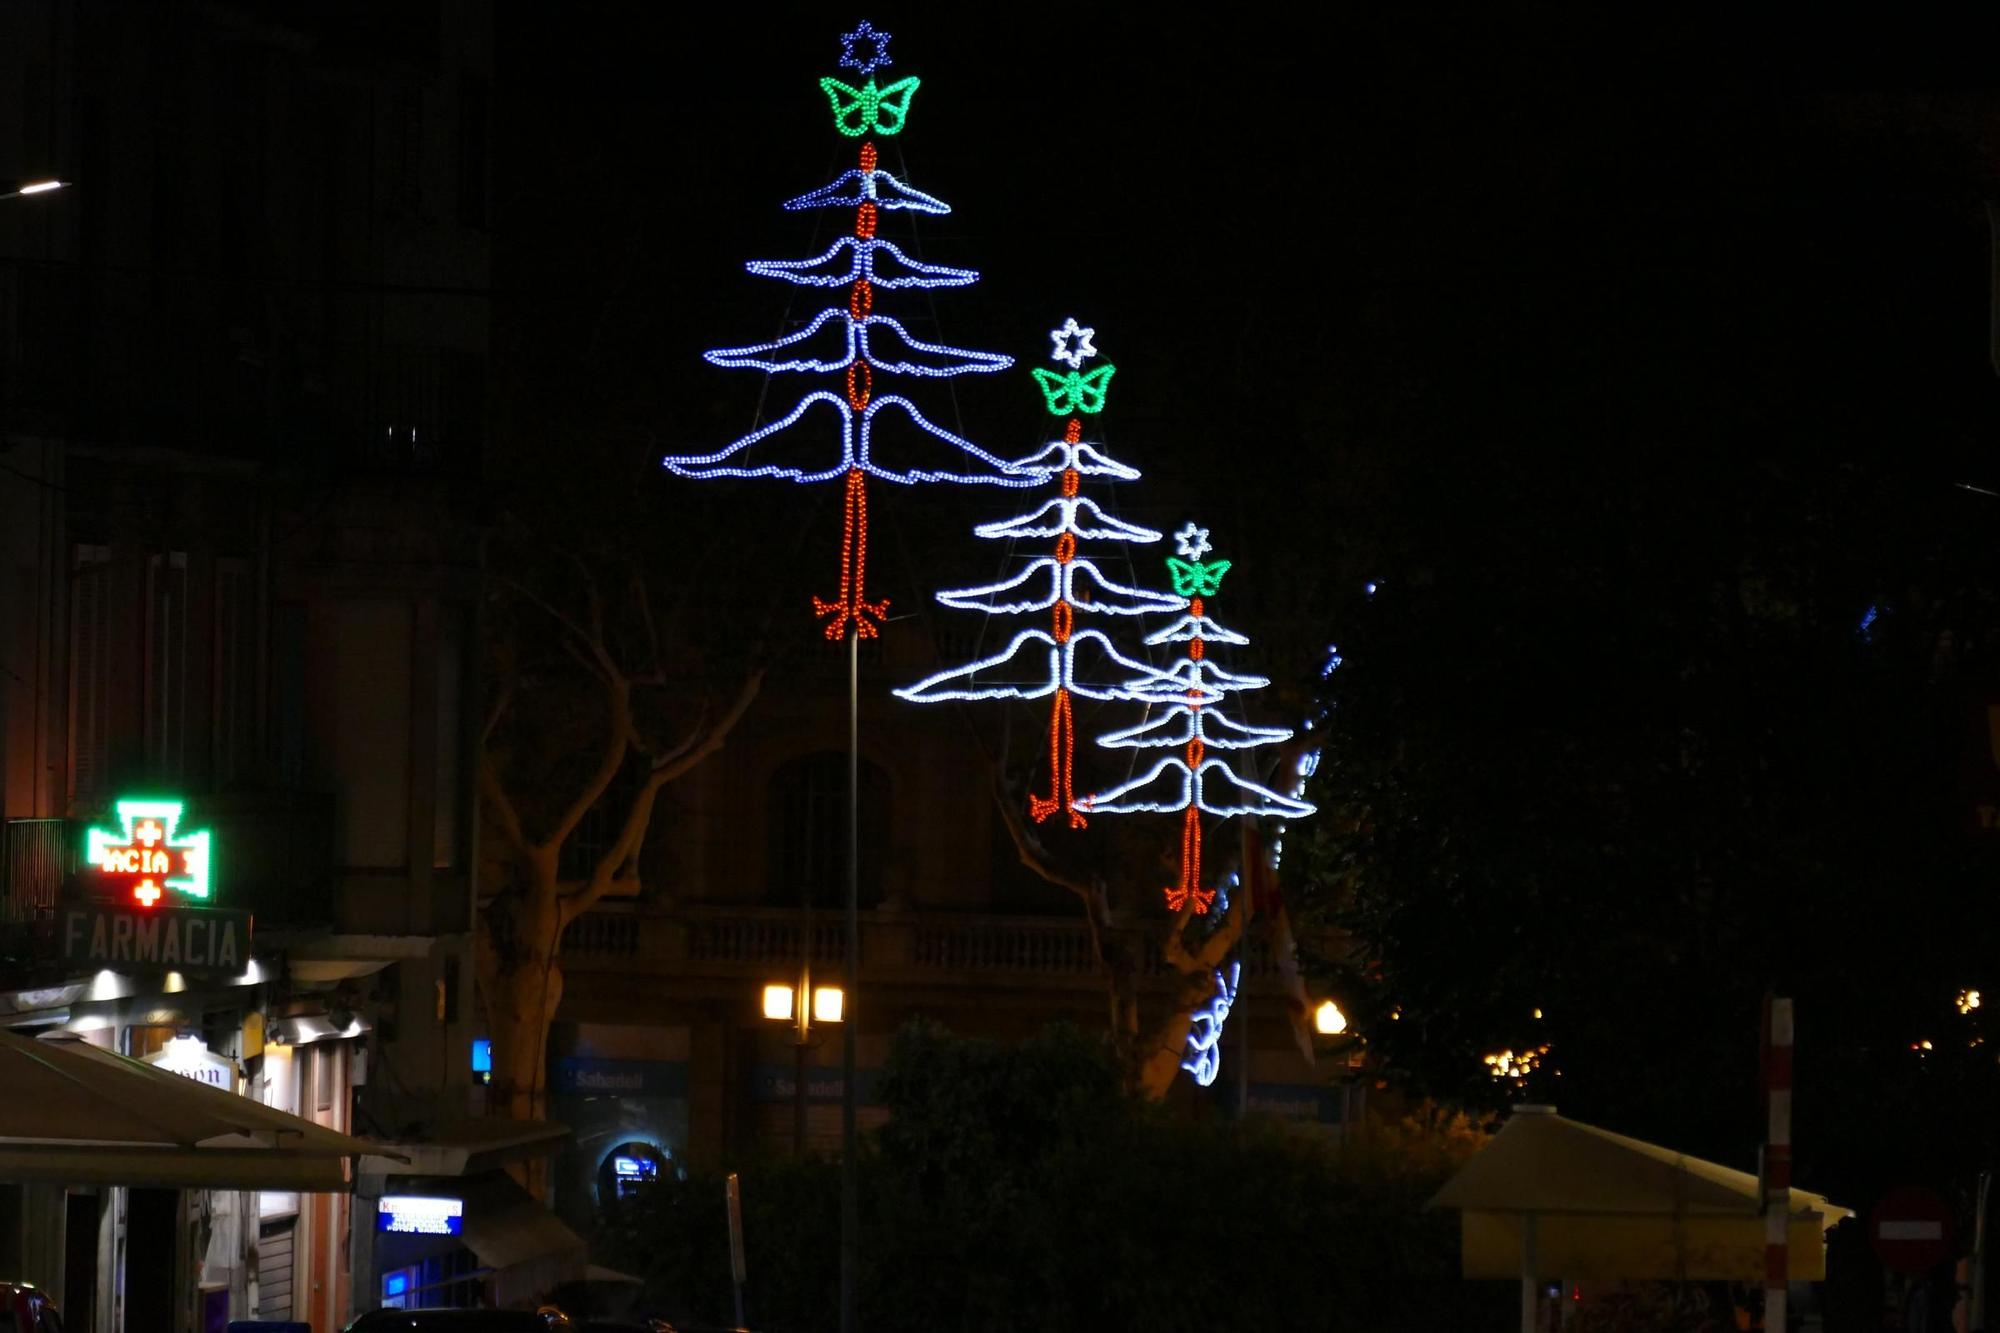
[[807, 828], [448, 821], [89, 674], [473, 97], [167, 665], [406, 149], [235, 671]]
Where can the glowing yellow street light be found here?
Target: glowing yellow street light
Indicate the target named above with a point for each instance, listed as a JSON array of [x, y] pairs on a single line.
[[1328, 1021], [785, 1004]]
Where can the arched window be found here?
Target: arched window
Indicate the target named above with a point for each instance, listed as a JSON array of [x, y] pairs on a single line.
[[807, 823]]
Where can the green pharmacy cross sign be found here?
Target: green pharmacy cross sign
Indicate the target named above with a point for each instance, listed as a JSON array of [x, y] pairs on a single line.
[[148, 855]]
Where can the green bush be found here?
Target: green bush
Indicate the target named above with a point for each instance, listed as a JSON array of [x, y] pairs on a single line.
[[1018, 1188]]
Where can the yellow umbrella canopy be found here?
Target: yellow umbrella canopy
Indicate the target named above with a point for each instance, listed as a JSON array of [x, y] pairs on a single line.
[[79, 1114], [1608, 1207]]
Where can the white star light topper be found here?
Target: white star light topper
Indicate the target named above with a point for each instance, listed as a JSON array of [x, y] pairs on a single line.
[[1192, 542], [1074, 353]]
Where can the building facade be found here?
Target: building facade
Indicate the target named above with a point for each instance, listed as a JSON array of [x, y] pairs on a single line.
[[242, 397], [662, 1048]]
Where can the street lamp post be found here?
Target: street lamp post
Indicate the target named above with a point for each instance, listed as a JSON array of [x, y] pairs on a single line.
[[802, 1005]]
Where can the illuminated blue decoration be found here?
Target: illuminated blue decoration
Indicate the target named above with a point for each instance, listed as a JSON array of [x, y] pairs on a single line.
[[1212, 787], [1034, 665], [862, 264], [857, 345], [856, 449], [1072, 343], [1203, 1056], [1061, 456], [1059, 516], [870, 186], [1078, 582], [855, 339], [869, 39]]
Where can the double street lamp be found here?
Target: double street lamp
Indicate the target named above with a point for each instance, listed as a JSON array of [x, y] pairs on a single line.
[[787, 1004]]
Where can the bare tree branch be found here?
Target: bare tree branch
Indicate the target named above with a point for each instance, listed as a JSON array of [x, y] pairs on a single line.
[[503, 806], [617, 736], [1031, 855], [605, 875], [643, 596], [501, 702], [594, 642]]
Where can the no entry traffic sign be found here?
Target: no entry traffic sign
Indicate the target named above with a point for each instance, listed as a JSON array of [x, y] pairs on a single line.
[[1911, 1230]]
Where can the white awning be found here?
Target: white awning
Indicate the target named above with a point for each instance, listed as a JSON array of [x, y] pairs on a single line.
[[77, 1114]]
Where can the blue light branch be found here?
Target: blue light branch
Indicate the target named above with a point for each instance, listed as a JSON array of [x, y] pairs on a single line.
[[856, 449], [1053, 667], [1059, 456], [1214, 789], [1203, 1056], [1060, 516], [863, 264], [875, 187], [858, 346], [1080, 583], [1181, 724]]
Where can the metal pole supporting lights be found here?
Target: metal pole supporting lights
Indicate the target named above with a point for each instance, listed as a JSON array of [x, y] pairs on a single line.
[[784, 1004]]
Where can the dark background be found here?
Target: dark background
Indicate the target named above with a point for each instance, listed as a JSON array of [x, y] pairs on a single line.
[[1636, 365]]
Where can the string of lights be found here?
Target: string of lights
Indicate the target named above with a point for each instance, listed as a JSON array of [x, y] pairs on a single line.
[[1203, 1056], [863, 259], [1191, 783], [868, 344], [1046, 663]]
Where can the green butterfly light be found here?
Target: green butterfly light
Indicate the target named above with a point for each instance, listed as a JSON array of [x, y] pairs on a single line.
[[1195, 579], [859, 111], [1071, 391]]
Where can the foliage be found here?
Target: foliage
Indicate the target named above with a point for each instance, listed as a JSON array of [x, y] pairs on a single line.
[[1631, 764], [1021, 1187]]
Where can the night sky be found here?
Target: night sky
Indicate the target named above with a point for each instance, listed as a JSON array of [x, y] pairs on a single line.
[[1378, 271]]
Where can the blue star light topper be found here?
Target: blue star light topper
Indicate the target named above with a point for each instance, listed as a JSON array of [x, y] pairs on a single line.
[[1192, 541], [866, 49]]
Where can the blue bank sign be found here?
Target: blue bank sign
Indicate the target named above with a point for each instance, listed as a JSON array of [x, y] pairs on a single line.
[[420, 1215]]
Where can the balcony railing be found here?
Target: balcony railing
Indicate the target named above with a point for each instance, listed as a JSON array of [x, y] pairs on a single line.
[[34, 859], [917, 947]]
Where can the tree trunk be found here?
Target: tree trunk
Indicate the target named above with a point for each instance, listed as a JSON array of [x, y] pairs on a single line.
[[520, 980]]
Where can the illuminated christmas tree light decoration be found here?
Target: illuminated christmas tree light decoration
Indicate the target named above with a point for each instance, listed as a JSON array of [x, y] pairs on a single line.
[[849, 340], [1204, 1039], [1073, 391], [1193, 783], [1072, 342], [1061, 662], [856, 111], [864, 50], [149, 856]]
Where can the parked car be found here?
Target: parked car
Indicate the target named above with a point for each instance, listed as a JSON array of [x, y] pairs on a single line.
[[451, 1321], [27, 1309]]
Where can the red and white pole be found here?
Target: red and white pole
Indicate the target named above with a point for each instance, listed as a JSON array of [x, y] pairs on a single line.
[[1777, 1159]]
